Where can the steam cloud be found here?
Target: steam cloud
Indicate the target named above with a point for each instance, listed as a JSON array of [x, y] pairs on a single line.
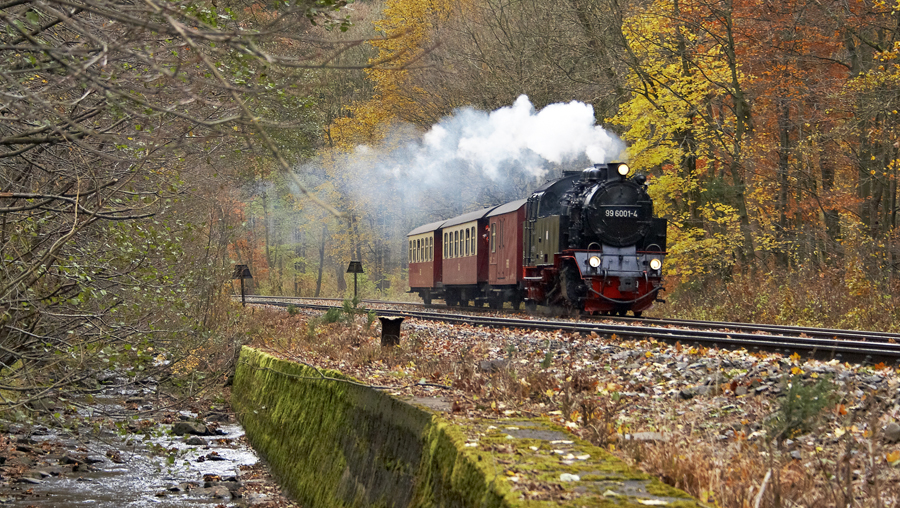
[[475, 158], [518, 138]]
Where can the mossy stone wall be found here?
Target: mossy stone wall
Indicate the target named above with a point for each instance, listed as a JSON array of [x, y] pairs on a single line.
[[337, 444]]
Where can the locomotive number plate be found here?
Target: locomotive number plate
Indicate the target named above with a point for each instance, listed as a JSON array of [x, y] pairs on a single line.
[[621, 212]]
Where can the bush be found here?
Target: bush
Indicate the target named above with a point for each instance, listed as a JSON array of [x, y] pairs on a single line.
[[801, 406]]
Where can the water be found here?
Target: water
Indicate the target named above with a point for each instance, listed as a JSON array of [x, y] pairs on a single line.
[[156, 470]]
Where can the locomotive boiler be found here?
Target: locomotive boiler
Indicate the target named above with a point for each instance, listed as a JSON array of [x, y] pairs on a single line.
[[587, 242]]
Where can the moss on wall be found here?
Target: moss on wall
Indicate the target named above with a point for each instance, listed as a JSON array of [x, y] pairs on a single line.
[[340, 444]]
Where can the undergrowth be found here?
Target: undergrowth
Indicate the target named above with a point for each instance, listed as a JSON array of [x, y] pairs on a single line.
[[804, 297], [771, 456]]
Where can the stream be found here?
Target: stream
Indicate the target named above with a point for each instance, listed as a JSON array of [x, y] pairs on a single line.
[[146, 464]]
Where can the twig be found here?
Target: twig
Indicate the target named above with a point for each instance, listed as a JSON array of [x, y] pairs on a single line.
[[762, 489]]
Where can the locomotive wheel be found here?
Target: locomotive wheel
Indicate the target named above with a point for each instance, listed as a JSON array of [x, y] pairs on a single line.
[[621, 312], [531, 306], [637, 313], [451, 299]]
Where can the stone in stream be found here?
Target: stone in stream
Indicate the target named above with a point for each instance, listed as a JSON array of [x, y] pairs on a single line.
[[182, 428], [195, 441], [892, 432]]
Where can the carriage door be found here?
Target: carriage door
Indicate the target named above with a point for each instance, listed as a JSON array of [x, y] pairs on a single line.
[[499, 252], [493, 251]]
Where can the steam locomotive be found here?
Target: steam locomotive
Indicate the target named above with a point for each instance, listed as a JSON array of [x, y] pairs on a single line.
[[587, 242]]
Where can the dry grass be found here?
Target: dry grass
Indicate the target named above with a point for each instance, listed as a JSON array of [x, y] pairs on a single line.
[[719, 447]]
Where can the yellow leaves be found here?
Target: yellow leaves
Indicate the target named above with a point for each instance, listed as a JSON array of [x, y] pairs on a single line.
[[796, 370], [892, 457]]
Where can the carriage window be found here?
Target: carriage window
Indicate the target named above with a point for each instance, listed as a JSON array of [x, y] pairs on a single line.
[[466, 243], [446, 246], [474, 243], [430, 254], [500, 233], [493, 237], [410, 251]]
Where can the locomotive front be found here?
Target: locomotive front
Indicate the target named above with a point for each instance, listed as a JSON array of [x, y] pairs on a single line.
[[610, 249]]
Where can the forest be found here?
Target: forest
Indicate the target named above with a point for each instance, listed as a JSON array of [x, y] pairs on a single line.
[[768, 131], [146, 148]]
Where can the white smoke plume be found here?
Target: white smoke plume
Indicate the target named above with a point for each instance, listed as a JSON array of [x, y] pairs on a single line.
[[509, 140], [475, 158]]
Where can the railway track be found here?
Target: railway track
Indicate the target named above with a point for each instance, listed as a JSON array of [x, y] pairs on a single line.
[[824, 344]]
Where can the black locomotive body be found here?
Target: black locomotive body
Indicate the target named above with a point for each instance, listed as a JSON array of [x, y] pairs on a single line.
[[588, 243]]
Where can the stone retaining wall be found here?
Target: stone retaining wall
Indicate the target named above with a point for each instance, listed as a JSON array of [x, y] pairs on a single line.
[[339, 444]]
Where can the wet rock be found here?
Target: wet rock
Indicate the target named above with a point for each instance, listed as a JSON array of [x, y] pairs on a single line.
[[688, 393], [21, 461], [220, 492], [72, 459], [29, 480], [94, 459], [257, 498], [182, 428], [892, 432], [217, 417], [195, 441]]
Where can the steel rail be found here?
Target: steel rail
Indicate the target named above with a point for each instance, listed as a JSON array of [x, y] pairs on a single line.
[[816, 347], [826, 333]]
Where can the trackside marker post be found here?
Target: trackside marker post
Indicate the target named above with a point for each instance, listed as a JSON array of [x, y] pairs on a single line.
[[242, 272], [355, 268]]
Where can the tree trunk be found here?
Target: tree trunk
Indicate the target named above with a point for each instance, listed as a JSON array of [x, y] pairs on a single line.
[[781, 252], [266, 227], [321, 260], [341, 281]]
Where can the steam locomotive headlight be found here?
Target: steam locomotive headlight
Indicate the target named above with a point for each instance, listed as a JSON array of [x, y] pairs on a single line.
[[594, 261], [655, 264], [623, 169]]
